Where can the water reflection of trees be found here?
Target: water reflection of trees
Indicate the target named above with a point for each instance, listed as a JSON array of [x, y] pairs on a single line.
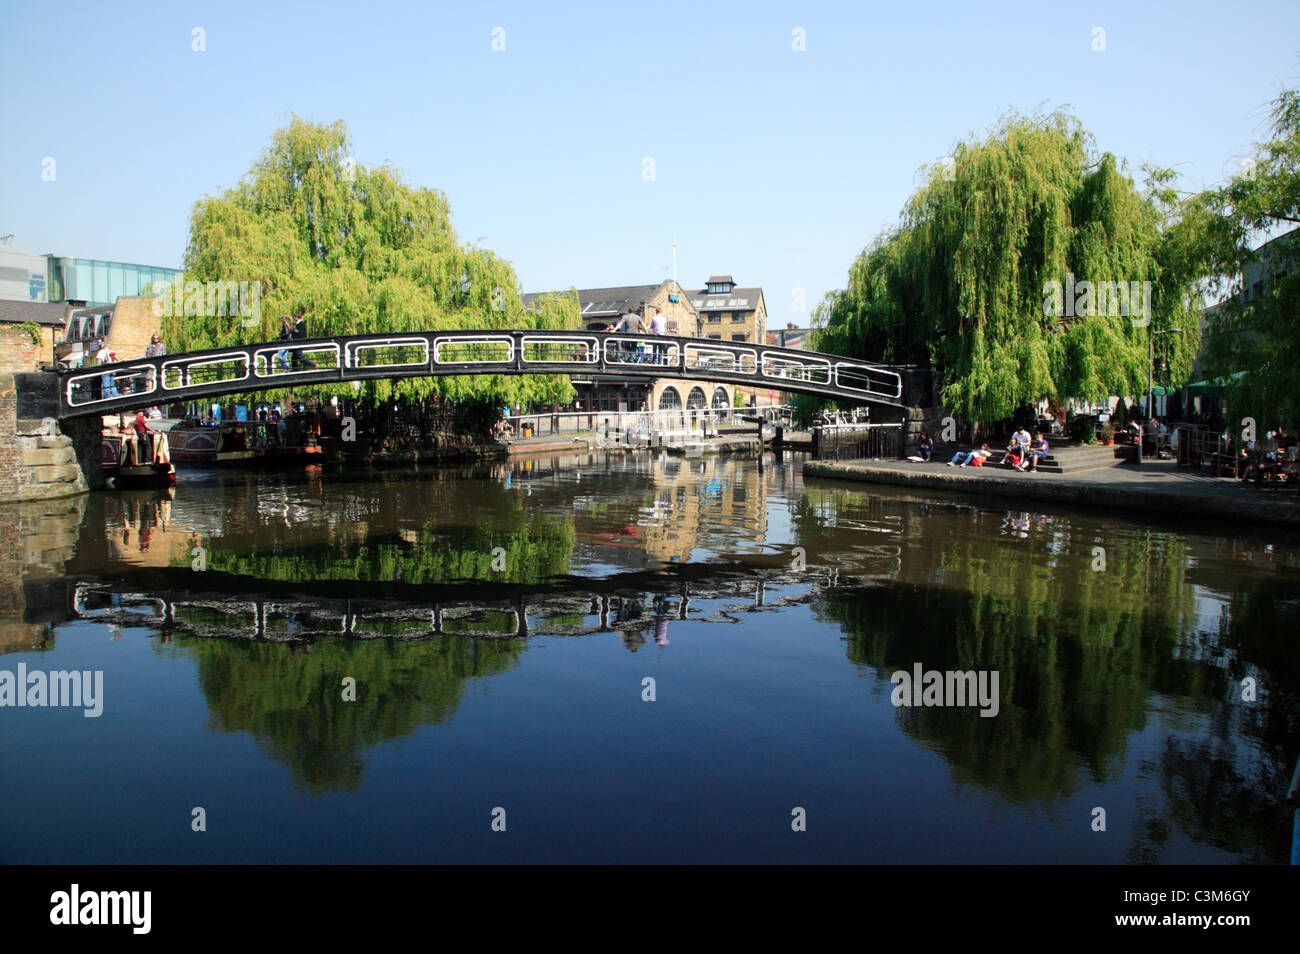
[[1081, 652], [290, 699], [417, 532], [1224, 787]]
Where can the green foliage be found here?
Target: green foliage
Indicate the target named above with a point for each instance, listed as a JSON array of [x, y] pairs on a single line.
[[962, 283], [1260, 337], [359, 251], [33, 332]]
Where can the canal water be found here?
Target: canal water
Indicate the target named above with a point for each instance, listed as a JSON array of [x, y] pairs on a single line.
[[634, 658]]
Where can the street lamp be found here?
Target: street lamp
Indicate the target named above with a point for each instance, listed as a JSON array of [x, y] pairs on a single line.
[[1151, 360]]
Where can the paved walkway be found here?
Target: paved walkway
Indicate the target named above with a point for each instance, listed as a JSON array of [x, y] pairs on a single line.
[[1155, 486]]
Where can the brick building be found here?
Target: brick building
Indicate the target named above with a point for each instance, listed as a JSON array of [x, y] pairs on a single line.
[[601, 307], [18, 352], [124, 328], [728, 312]]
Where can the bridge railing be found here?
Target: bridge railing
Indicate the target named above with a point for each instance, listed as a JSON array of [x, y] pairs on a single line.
[[559, 349], [268, 362], [352, 357]]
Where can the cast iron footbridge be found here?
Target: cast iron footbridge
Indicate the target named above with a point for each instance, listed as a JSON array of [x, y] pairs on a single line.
[[242, 369]]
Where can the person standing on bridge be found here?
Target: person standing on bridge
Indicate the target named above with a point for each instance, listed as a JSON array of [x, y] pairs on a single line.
[[286, 333], [629, 325], [659, 327], [155, 348], [108, 380], [300, 334]]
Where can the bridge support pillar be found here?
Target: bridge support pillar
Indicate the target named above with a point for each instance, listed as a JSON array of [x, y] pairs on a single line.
[[40, 457]]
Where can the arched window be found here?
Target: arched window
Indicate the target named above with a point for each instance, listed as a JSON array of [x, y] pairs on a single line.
[[720, 398], [696, 399], [670, 399]]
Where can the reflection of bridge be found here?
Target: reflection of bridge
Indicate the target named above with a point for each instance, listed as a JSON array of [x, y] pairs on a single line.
[[564, 610], [254, 367]]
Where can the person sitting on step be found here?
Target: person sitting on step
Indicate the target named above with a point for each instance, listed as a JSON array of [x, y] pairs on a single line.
[[1038, 451]]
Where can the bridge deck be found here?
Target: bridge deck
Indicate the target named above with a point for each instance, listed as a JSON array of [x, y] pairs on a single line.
[[321, 361]]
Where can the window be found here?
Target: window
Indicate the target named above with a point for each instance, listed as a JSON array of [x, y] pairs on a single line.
[[740, 337], [739, 316], [1258, 290], [696, 399], [715, 337], [720, 398], [672, 327], [670, 399], [715, 317]]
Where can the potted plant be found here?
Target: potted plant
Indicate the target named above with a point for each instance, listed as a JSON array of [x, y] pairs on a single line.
[[1107, 435]]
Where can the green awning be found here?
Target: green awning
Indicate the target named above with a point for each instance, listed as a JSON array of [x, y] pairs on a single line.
[[1215, 384]]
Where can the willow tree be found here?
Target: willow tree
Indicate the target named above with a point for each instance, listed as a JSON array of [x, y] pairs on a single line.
[[358, 250], [1253, 341], [1019, 270]]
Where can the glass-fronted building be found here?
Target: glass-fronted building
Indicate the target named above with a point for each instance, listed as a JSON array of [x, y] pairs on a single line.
[[99, 282]]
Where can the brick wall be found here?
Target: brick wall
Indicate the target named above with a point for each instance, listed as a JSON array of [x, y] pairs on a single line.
[[17, 352], [134, 323], [10, 454]]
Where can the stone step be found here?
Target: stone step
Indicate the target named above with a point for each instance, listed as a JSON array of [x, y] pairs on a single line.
[[1071, 460], [48, 456], [33, 427]]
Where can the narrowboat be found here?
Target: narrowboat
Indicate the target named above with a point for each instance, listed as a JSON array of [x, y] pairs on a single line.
[[130, 461]]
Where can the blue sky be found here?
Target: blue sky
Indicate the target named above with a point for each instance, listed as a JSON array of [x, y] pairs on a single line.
[[774, 165]]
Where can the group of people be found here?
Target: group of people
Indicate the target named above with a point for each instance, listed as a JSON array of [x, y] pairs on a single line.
[[1268, 461], [292, 331], [1024, 453], [629, 324], [108, 380]]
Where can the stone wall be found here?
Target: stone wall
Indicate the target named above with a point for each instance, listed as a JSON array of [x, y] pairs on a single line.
[[36, 540], [39, 457]]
